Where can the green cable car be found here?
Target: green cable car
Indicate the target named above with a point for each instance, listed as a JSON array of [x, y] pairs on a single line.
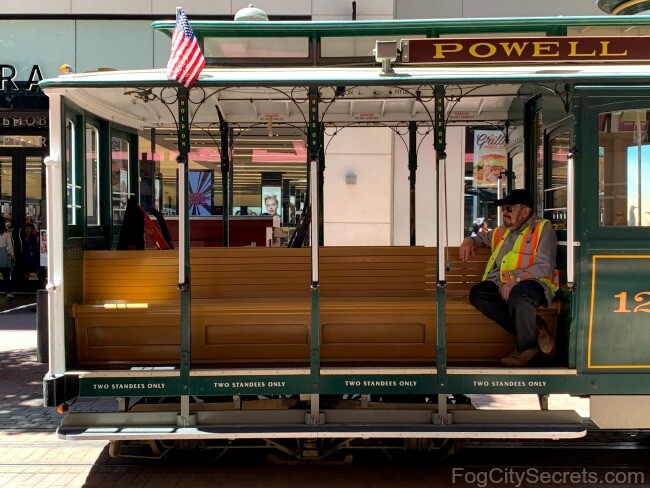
[[345, 319]]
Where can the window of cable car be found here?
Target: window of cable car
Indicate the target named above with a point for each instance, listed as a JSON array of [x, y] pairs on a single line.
[[73, 187], [485, 166], [624, 168], [518, 170], [355, 46], [555, 195], [237, 48], [92, 175], [120, 189]]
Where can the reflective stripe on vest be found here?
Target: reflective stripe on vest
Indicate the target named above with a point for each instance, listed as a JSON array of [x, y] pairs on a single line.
[[521, 256]]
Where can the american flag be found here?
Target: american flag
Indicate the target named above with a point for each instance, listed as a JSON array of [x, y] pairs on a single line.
[[186, 60]]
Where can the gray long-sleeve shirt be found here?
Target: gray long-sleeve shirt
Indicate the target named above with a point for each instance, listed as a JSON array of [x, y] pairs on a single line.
[[544, 262]]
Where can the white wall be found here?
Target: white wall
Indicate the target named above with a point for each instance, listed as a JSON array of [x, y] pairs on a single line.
[[375, 211], [425, 190], [358, 214], [441, 9], [318, 9]]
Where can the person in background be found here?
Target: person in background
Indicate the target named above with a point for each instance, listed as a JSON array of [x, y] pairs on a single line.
[[30, 249], [7, 256], [479, 225], [518, 277]]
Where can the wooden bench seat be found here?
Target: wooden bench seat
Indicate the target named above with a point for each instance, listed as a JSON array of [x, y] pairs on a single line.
[[252, 305]]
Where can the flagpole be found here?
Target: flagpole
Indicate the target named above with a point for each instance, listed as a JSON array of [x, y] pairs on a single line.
[[185, 63], [184, 418]]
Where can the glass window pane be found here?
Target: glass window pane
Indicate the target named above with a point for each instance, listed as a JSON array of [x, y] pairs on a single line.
[[556, 194], [34, 190], [92, 175], [624, 168], [355, 46], [6, 177], [73, 188], [539, 162], [256, 47], [119, 177]]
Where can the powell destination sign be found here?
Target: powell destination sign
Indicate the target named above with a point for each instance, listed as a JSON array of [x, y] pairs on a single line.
[[526, 49]]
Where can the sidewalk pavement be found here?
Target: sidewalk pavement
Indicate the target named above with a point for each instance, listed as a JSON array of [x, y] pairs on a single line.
[[21, 374]]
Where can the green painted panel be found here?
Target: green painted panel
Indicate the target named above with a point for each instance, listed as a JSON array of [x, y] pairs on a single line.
[[378, 383], [578, 384], [249, 385], [129, 386], [582, 384], [619, 316]]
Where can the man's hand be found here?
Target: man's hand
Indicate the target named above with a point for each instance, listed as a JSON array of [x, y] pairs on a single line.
[[466, 249], [506, 288]]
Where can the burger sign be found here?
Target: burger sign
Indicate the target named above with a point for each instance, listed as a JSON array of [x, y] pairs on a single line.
[[489, 158]]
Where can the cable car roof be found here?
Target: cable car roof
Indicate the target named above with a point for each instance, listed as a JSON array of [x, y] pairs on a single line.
[[250, 95]]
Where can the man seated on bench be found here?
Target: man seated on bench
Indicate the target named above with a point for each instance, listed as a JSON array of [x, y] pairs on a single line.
[[518, 277]]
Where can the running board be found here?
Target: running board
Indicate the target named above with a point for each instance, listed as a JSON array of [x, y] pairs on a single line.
[[523, 424]]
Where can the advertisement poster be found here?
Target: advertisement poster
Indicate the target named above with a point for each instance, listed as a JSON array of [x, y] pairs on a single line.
[[271, 198], [200, 183], [489, 157]]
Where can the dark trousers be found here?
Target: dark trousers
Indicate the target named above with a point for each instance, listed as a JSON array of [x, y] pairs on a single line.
[[517, 315], [6, 278]]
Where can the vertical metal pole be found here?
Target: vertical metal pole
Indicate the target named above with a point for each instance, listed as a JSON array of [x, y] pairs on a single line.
[[639, 181], [570, 219], [54, 191], [321, 181], [441, 299], [413, 166], [225, 178], [499, 196], [314, 138], [184, 252]]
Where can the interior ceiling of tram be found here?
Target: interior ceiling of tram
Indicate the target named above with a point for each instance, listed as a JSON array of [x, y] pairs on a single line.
[[268, 125]]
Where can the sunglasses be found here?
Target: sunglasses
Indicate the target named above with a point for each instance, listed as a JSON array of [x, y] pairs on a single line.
[[508, 208]]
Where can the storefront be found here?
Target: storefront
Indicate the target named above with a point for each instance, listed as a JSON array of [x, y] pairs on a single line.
[[23, 145]]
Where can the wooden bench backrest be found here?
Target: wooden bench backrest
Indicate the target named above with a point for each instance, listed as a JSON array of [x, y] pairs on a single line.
[[376, 271], [461, 276], [151, 276], [135, 276], [250, 272]]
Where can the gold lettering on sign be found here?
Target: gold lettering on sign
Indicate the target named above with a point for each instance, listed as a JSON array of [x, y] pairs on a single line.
[[509, 47], [441, 49], [474, 48], [574, 50], [605, 50], [544, 49]]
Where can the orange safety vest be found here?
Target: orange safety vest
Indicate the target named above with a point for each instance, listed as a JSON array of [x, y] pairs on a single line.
[[521, 256]]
